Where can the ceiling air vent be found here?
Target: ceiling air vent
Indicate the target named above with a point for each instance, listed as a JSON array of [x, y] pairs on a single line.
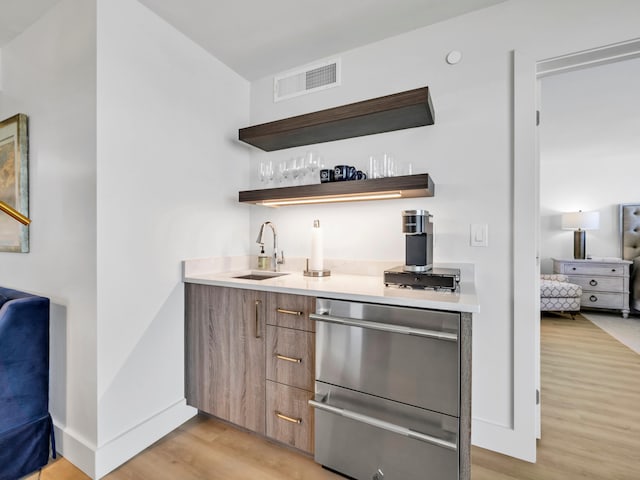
[[306, 80]]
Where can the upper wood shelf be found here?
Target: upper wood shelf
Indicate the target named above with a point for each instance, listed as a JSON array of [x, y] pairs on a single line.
[[407, 186], [398, 111]]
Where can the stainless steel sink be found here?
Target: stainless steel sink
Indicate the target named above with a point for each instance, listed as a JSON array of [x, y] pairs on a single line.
[[261, 275]]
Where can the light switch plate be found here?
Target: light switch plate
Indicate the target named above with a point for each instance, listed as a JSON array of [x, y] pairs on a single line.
[[479, 235]]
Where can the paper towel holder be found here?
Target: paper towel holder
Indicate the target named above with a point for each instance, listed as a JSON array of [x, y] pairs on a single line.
[[315, 273]]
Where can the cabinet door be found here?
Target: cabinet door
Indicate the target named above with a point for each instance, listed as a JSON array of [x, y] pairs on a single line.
[[290, 311], [289, 416], [291, 357], [225, 352]]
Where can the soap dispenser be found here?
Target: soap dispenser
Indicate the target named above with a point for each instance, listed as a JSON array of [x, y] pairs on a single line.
[[263, 259]]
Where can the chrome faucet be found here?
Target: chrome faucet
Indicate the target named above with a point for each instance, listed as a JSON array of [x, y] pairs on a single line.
[[275, 261]]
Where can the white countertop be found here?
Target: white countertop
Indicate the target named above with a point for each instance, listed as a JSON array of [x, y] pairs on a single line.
[[342, 286]]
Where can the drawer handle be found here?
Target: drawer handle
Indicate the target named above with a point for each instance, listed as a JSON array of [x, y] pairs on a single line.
[[289, 312], [288, 359], [258, 303], [593, 298], [593, 283], [613, 269], [384, 327], [388, 426], [282, 416], [573, 268]]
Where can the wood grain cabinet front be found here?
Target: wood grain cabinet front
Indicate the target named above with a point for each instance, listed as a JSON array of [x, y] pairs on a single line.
[[225, 353], [289, 416], [290, 311], [291, 347], [290, 357], [235, 340]]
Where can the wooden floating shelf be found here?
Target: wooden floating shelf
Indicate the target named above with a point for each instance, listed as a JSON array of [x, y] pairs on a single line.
[[398, 111], [407, 186]]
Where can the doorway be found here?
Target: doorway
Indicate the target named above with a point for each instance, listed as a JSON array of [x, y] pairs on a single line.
[[526, 230], [581, 99]]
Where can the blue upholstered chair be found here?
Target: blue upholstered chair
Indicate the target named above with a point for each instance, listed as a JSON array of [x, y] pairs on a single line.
[[25, 423]]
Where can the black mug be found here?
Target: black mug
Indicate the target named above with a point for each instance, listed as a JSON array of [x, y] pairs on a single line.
[[326, 175], [344, 172]]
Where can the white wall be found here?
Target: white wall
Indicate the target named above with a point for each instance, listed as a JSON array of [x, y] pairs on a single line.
[[49, 73], [468, 152], [169, 171], [589, 154]]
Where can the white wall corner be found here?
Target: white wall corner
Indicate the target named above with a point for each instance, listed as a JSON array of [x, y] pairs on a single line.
[[0, 70], [124, 447]]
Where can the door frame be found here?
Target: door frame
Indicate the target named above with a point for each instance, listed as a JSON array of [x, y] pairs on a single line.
[[526, 228]]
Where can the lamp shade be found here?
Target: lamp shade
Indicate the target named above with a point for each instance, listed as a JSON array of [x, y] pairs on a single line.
[[581, 220]]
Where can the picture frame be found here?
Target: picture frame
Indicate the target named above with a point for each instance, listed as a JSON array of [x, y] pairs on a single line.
[[14, 182]]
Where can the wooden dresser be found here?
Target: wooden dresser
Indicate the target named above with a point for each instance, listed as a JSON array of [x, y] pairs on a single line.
[[604, 282]]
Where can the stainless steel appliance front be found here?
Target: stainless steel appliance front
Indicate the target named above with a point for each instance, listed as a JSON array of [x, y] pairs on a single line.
[[387, 391], [405, 354], [362, 436]]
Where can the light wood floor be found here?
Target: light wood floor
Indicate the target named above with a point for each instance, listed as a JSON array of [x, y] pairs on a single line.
[[590, 427]]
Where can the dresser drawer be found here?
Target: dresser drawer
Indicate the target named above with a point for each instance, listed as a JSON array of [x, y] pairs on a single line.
[[610, 269], [595, 283], [289, 416], [602, 300], [291, 311], [291, 357]]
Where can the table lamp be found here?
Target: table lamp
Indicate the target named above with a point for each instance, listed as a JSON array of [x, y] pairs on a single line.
[[579, 222]]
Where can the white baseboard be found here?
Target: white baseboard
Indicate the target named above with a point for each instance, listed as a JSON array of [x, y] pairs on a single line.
[[120, 449], [75, 449]]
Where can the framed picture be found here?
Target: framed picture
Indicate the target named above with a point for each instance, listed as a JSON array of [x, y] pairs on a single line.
[[14, 182]]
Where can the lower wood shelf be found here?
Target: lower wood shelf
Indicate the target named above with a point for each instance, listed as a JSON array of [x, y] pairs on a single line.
[[407, 186]]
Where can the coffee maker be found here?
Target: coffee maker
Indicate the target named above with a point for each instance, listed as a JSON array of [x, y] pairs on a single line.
[[418, 271], [418, 230]]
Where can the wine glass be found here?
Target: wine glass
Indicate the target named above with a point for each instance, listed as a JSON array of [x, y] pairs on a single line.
[[312, 164], [297, 164], [283, 170]]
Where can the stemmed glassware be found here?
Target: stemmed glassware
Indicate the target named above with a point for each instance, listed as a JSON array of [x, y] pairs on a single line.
[[312, 166], [298, 170], [283, 171]]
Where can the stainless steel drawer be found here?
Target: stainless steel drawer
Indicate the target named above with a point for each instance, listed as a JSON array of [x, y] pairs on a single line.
[[403, 354], [601, 284], [362, 436]]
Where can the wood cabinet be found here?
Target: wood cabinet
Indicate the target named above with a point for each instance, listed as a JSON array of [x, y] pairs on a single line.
[[290, 369], [225, 353], [249, 373], [291, 311], [290, 357], [605, 283], [289, 416]]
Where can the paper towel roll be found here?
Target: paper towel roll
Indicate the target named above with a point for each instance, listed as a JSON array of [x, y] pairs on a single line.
[[316, 262]]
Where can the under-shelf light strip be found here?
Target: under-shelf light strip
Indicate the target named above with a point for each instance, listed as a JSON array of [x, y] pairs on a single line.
[[342, 198]]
